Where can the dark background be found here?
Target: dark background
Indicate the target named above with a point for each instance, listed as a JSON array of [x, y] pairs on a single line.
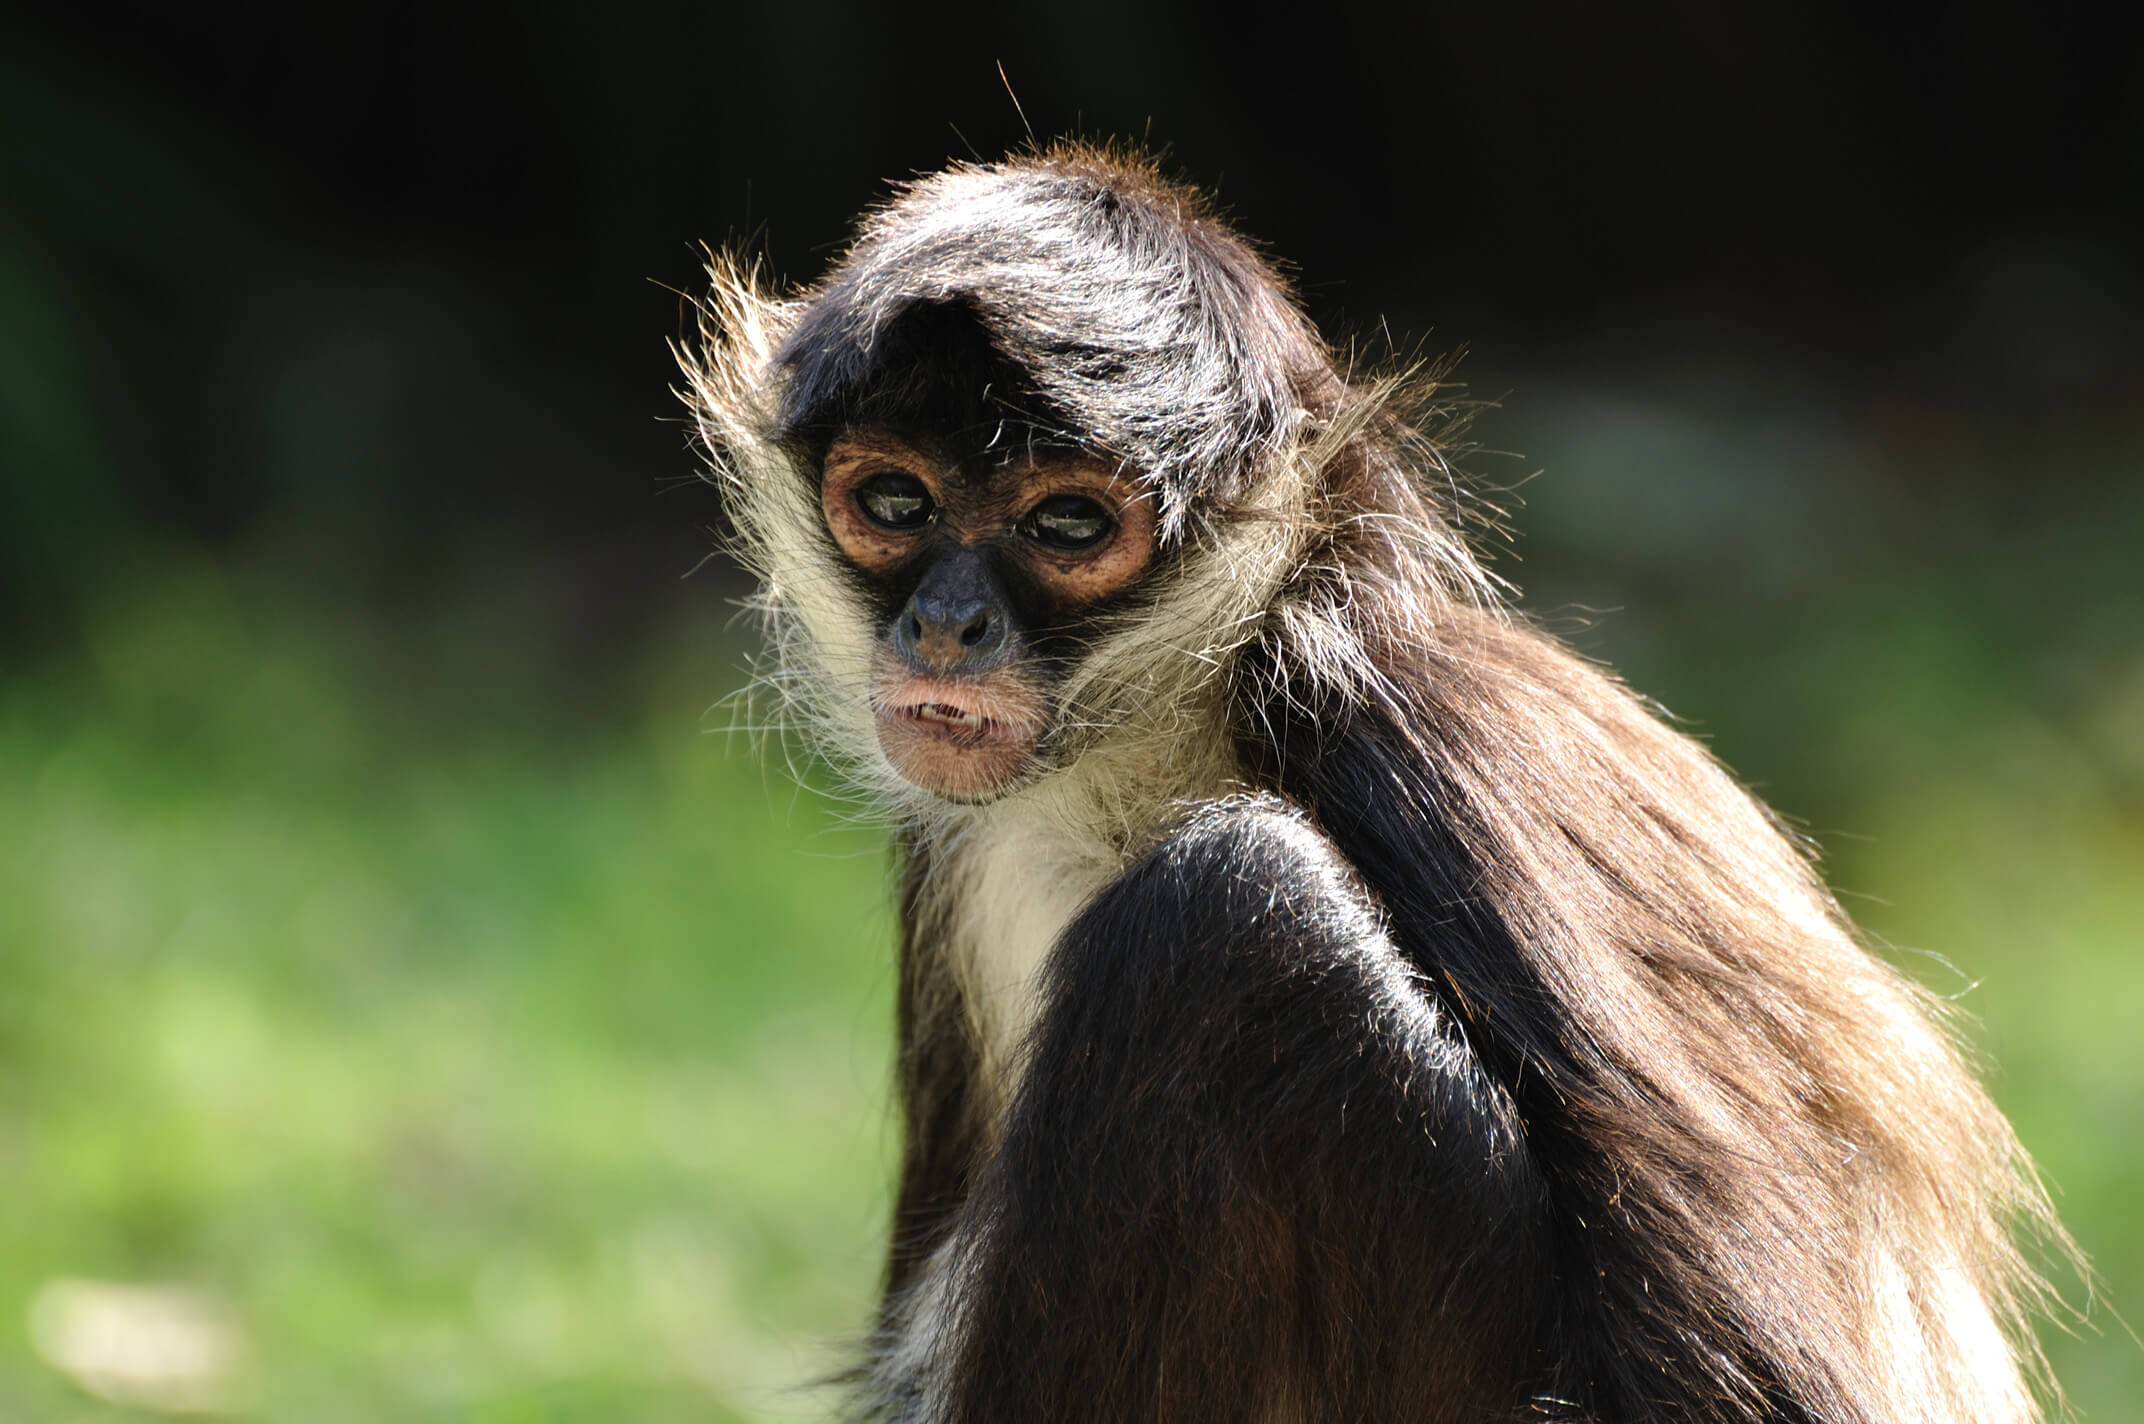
[[427, 247], [339, 480]]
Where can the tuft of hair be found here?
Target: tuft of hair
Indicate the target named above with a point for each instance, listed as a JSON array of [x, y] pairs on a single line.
[[814, 677]]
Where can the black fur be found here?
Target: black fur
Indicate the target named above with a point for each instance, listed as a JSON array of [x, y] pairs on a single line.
[[1253, 1163], [1452, 1041]]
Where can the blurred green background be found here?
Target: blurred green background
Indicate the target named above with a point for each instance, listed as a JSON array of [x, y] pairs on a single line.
[[411, 1006]]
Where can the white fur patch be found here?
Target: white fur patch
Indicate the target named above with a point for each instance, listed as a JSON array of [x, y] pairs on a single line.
[[1019, 874]]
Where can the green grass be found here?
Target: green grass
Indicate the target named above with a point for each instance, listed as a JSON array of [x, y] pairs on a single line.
[[528, 1077], [478, 1063]]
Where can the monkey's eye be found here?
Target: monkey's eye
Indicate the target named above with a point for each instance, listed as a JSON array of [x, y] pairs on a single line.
[[1067, 523], [896, 501]]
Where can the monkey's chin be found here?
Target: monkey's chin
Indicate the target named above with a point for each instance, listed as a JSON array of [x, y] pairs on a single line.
[[962, 741]]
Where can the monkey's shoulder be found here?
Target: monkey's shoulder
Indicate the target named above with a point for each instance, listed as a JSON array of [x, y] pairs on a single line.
[[1026, 906], [1242, 966], [1246, 901], [1238, 864]]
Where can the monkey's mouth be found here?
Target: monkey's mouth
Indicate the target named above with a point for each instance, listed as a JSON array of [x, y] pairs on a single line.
[[967, 739], [949, 720]]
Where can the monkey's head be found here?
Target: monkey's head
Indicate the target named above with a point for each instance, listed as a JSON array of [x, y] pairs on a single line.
[[981, 537], [1022, 470]]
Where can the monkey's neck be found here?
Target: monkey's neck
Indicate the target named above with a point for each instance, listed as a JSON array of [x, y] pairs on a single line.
[[1007, 878]]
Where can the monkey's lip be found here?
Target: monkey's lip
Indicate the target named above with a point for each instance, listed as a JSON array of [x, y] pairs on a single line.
[[965, 740]]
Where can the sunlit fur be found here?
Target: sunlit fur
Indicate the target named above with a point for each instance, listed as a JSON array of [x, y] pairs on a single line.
[[1795, 1186]]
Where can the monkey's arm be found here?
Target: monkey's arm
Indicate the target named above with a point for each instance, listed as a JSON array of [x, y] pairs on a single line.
[[1253, 1170]]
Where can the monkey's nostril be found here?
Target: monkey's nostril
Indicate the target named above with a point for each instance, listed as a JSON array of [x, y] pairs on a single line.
[[975, 631], [915, 628]]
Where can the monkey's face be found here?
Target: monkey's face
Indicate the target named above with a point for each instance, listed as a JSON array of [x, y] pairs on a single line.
[[983, 572]]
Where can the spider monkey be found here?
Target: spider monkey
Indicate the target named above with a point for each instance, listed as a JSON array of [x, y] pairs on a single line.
[[1323, 995]]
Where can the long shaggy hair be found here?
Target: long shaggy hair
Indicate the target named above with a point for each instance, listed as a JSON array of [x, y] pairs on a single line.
[[1777, 1190]]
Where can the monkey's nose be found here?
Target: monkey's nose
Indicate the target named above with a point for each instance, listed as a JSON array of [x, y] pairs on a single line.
[[950, 635]]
